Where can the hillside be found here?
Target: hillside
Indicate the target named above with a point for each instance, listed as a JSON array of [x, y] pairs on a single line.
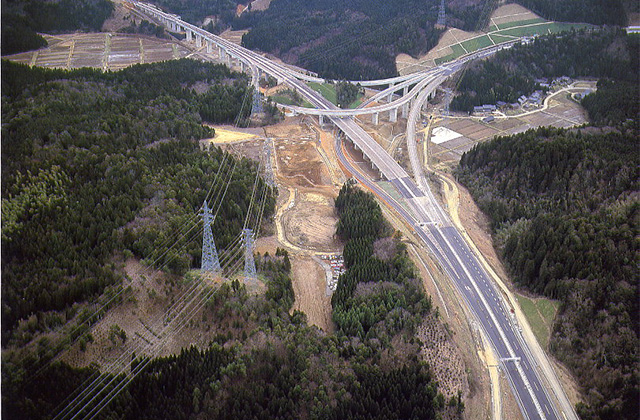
[[264, 361], [351, 39], [84, 153], [610, 12], [564, 211], [604, 53]]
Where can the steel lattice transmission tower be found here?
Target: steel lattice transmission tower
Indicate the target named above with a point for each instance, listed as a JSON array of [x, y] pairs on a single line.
[[210, 260], [256, 106], [268, 169], [442, 17], [249, 263]]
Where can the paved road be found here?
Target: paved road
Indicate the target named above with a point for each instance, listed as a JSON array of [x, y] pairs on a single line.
[[432, 225]]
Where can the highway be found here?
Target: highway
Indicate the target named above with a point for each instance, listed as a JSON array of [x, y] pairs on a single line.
[[426, 217]]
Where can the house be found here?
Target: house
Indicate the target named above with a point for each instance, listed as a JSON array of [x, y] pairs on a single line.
[[478, 109], [488, 119], [522, 99]]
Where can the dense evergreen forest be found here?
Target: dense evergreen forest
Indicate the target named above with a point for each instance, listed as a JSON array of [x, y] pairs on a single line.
[[21, 19], [606, 53], [564, 209], [352, 39], [598, 12], [196, 11], [342, 39], [615, 103], [86, 155], [379, 294], [264, 361]]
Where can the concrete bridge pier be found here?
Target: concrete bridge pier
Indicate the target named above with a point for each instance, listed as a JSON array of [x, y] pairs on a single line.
[[405, 110], [390, 97], [189, 35], [209, 46], [321, 120], [375, 118], [405, 90], [198, 41], [393, 115]]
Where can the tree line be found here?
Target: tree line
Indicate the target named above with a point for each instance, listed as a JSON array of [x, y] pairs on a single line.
[[21, 20], [379, 294]]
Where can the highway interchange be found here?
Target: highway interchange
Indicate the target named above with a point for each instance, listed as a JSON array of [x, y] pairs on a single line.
[[424, 214]]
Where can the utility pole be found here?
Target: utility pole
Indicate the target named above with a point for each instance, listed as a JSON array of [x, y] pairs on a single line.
[[210, 260]]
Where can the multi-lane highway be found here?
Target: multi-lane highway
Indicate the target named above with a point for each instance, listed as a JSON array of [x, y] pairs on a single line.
[[426, 217]]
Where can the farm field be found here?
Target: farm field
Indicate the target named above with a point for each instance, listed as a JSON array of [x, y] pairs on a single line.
[[100, 50]]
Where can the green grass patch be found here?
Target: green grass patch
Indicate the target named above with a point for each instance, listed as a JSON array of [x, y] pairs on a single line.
[[477, 43], [540, 313], [457, 52], [326, 89], [499, 38], [521, 23], [548, 309], [542, 29], [356, 103], [284, 100], [391, 190], [556, 27]]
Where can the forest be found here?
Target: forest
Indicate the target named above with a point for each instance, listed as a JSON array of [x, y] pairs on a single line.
[[87, 156], [598, 12], [21, 19], [379, 294], [352, 40], [564, 211], [614, 103], [264, 361], [605, 53]]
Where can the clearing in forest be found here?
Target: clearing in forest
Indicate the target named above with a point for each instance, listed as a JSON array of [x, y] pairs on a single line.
[[507, 23]]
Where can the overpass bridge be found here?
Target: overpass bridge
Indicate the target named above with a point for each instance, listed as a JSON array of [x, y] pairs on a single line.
[[258, 65]]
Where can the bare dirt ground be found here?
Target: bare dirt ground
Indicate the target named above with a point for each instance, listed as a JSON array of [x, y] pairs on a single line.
[[310, 291], [234, 36], [308, 181], [260, 4], [142, 317], [311, 223]]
